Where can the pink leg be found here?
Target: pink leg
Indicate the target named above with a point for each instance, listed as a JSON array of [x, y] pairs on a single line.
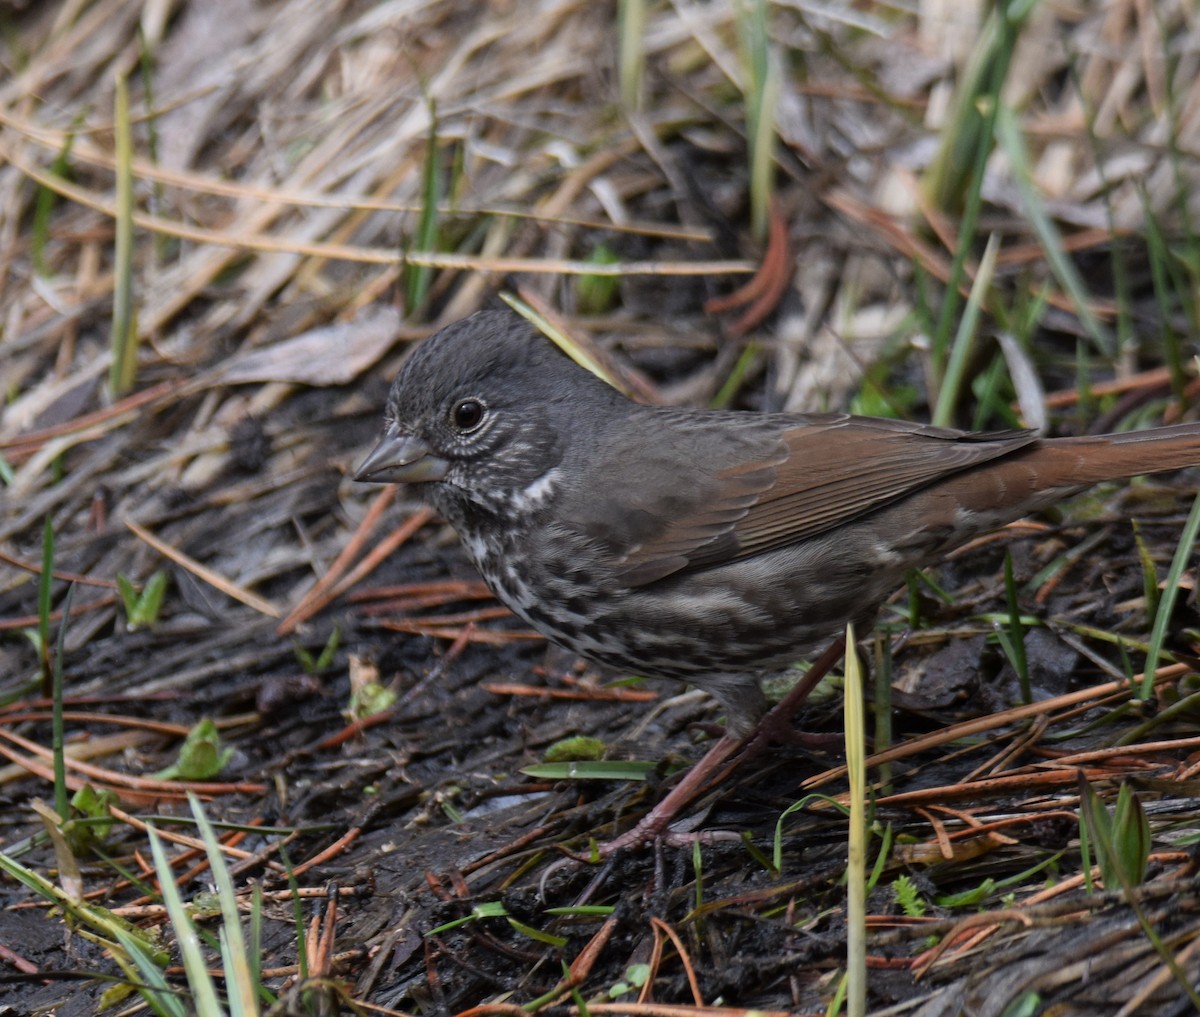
[[775, 726]]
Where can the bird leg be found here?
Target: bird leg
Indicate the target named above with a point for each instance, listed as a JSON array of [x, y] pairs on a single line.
[[774, 726]]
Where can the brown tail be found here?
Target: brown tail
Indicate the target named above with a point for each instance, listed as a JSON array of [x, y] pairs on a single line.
[[1046, 471], [1090, 460]]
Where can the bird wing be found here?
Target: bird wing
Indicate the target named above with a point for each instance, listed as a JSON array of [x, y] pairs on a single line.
[[820, 473]]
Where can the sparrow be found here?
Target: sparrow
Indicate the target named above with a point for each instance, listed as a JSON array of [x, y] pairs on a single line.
[[711, 547]]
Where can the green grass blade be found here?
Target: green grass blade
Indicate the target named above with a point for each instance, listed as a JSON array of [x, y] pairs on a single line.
[[882, 704], [204, 990], [1169, 291], [1016, 632], [604, 769], [44, 207], [62, 795], [563, 342], [157, 993], [420, 276], [763, 84], [856, 867], [631, 58], [240, 982], [45, 591], [123, 370], [967, 141], [1009, 135], [1166, 603], [1149, 572], [1095, 817], [949, 390]]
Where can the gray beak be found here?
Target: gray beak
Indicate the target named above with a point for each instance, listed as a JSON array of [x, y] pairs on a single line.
[[401, 459]]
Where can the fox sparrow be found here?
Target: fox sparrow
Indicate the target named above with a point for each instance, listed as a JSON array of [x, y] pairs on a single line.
[[705, 546]]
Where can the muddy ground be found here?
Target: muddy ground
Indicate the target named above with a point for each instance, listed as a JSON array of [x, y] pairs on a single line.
[[284, 258]]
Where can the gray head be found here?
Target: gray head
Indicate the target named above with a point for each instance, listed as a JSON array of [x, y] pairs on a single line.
[[479, 412]]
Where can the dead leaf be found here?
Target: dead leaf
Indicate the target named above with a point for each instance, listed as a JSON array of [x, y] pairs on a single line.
[[333, 355]]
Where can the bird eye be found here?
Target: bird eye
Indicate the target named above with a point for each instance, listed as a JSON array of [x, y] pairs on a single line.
[[467, 414]]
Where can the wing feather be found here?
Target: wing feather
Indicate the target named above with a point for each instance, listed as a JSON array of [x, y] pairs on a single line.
[[818, 472]]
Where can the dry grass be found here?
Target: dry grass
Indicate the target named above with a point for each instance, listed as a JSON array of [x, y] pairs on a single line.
[[284, 252]]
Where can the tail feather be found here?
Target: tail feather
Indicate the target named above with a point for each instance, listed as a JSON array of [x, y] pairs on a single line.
[[1091, 460], [1044, 472]]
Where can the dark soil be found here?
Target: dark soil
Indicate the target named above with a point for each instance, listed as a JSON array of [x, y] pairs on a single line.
[[275, 297]]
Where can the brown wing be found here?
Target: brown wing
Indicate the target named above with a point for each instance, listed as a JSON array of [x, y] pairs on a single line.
[[821, 472], [663, 515]]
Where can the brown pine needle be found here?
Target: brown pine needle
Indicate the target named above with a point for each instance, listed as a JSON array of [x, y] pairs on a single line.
[[580, 695], [321, 592], [205, 574], [762, 293]]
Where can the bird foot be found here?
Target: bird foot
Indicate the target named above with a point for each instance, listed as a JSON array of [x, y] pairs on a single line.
[[727, 754], [653, 825]]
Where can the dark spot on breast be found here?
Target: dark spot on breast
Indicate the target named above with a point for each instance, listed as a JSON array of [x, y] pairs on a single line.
[[538, 614], [598, 634], [567, 631]]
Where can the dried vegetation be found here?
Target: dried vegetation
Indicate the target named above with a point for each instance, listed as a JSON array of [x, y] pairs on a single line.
[[221, 224]]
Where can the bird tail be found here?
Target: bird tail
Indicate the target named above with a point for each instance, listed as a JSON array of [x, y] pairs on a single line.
[[1046, 471], [1093, 459]]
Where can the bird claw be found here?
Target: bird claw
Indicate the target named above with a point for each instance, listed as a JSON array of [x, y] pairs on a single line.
[[653, 827], [640, 836]]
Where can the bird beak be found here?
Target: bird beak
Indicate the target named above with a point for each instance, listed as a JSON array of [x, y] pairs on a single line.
[[401, 459]]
